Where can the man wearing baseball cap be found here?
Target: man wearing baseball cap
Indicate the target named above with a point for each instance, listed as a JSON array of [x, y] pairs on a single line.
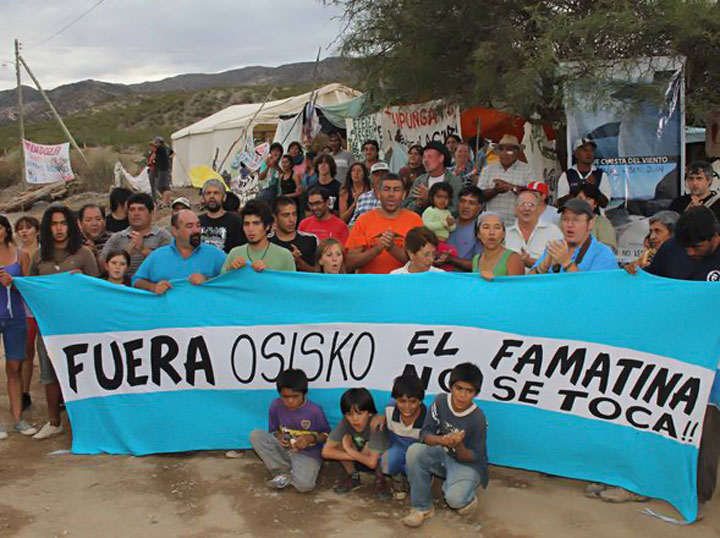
[[578, 250], [584, 171], [501, 181], [548, 214], [369, 200], [178, 204], [219, 228], [436, 159]]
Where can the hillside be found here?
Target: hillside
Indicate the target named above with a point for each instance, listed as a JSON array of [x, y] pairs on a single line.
[[91, 95]]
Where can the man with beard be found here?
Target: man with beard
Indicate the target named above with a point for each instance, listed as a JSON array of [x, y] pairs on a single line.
[[187, 257], [578, 250], [219, 228], [259, 252], [141, 237], [377, 241], [91, 218], [62, 251], [323, 224], [302, 245], [698, 180]]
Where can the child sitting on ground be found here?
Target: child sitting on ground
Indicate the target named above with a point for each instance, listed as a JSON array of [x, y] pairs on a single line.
[[290, 449], [453, 448], [403, 422], [356, 445]]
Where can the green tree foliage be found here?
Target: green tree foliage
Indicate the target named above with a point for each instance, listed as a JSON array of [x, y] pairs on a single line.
[[508, 53]]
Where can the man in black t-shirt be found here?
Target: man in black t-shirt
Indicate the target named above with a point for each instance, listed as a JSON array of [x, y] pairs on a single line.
[[698, 179], [219, 228], [302, 245], [694, 254]]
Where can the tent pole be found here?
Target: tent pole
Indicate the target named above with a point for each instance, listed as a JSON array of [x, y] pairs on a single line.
[[53, 110], [21, 114]]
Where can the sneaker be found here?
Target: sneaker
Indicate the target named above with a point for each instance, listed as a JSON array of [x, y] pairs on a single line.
[[594, 489], [399, 487], [278, 482], [26, 401], [3, 433], [348, 484], [417, 517], [23, 427], [381, 490], [469, 508], [47, 431], [233, 454]]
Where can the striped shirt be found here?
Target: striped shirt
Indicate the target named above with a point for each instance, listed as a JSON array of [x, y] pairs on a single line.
[[519, 174], [367, 201]]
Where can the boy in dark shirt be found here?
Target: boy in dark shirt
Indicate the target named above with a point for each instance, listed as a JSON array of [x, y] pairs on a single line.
[[290, 449], [356, 444], [453, 448]]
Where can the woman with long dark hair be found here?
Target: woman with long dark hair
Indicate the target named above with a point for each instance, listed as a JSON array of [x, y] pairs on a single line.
[[13, 326], [357, 182]]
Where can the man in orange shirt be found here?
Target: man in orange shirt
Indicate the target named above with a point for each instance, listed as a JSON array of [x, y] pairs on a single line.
[[377, 241]]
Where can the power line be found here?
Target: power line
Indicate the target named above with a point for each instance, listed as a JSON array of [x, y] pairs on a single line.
[[83, 14]]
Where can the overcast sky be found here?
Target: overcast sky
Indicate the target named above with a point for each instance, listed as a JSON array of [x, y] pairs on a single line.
[[134, 41]]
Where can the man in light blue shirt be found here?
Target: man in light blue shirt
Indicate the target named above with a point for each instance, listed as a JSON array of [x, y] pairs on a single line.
[[185, 258], [578, 250]]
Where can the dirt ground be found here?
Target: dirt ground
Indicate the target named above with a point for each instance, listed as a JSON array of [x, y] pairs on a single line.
[[204, 494]]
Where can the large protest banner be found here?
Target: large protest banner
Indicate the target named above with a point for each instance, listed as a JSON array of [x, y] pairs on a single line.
[[408, 125], [637, 120], [47, 164], [572, 385]]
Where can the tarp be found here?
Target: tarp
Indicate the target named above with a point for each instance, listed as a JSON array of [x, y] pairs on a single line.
[[610, 399], [197, 144]]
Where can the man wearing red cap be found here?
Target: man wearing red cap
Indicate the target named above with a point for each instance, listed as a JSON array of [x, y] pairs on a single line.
[[548, 214]]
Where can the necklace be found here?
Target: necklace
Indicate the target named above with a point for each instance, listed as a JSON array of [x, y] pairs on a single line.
[[261, 257]]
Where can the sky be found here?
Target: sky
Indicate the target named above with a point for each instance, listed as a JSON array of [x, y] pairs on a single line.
[[131, 41]]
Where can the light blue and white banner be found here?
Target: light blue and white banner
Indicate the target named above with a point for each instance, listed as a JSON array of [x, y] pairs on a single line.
[[573, 385]]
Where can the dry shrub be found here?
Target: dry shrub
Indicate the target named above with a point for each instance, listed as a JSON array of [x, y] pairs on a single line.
[[10, 171], [99, 175]]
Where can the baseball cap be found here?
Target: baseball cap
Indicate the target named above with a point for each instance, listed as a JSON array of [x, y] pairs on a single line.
[[538, 186], [182, 201], [580, 142], [159, 139], [577, 206], [379, 167]]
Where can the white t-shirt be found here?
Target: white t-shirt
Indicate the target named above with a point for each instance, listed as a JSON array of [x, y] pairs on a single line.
[[404, 270], [550, 216], [563, 187], [535, 246], [432, 180]]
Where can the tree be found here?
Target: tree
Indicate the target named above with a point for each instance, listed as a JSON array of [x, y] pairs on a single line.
[[508, 53]]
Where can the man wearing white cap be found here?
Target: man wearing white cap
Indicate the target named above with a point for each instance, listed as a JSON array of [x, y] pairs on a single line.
[[502, 181], [584, 171], [369, 200]]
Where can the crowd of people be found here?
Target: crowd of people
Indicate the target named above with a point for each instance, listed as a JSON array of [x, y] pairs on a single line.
[[446, 211]]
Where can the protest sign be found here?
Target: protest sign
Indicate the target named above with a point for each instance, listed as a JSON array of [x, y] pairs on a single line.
[[47, 164], [608, 398], [408, 125], [640, 144]]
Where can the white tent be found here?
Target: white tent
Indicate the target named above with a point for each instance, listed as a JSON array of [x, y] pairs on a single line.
[[198, 143]]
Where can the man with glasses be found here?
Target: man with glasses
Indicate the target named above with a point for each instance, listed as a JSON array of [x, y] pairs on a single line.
[[529, 236], [323, 224], [502, 181], [578, 250]]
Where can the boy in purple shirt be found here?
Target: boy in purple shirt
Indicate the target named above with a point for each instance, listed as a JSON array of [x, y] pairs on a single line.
[[290, 449]]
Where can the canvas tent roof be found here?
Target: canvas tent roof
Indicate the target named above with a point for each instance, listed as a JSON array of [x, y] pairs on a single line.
[[197, 144]]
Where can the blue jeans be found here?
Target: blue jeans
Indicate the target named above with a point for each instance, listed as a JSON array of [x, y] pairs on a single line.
[[303, 469], [392, 461], [424, 461]]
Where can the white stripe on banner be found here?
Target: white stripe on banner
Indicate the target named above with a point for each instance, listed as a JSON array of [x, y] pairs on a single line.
[[640, 390]]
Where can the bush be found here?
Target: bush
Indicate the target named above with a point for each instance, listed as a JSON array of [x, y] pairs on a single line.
[[10, 171], [99, 176]]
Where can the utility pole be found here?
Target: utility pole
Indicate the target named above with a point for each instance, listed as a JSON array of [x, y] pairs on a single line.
[[52, 109], [21, 116]]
